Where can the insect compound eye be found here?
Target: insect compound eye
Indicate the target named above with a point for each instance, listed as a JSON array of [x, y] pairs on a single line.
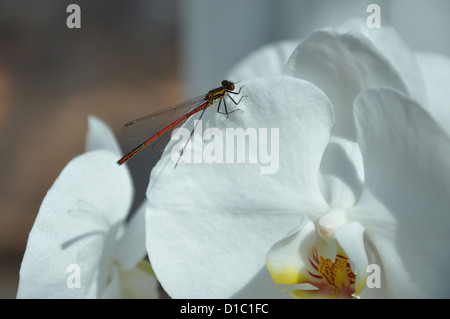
[[228, 85]]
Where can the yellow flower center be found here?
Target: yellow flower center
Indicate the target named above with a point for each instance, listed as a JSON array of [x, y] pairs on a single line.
[[312, 257], [338, 275], [332, 279]]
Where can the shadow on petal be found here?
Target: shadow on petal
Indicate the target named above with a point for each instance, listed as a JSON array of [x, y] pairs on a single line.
[[262, 286], [340, 180], [72, 241]]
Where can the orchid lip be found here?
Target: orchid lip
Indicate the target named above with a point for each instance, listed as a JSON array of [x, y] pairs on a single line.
[[329, 254]]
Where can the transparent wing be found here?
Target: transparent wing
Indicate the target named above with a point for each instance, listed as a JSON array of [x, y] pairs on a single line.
[[153, 123], [157, 147]]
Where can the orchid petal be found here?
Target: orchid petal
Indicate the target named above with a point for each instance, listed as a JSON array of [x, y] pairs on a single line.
[[351, 238], [130, 249], [270, 59], [100, 136], [262, 286], [342, 65], [342, 173], [405, 204], [396, 51], [85, 205], [217, 240], [287, 259], [436, 71]]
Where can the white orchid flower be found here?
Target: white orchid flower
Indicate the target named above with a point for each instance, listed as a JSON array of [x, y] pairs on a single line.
[[363, 179], [80, 245]]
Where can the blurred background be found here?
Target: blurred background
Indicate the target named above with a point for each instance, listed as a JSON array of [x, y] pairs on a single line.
[[131, 58]]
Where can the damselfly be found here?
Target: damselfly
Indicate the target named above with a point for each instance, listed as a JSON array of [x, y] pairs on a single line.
[[159, 124]]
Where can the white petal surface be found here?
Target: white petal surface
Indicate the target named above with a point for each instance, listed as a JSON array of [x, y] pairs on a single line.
[[342, 173], [130, 249], [405, 204], [100, 137], [287, 260], [84, 207], [436, 71], [209, 226], [270, 59], [342, 65], [396, 51]]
